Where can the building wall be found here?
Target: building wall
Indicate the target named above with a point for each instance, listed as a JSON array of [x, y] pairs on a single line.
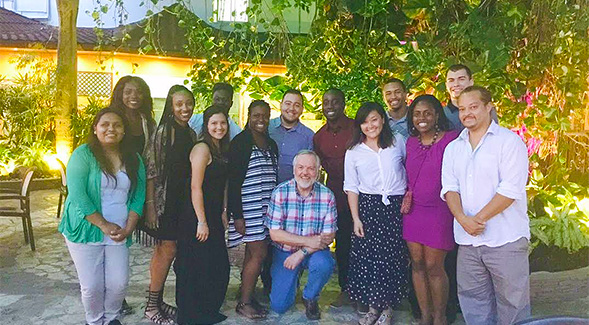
[[160, 73]]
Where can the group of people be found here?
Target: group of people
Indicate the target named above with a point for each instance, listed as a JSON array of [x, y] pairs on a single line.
[[404, 185]]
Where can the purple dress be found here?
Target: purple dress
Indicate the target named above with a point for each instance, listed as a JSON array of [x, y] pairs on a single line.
[[430, 221]]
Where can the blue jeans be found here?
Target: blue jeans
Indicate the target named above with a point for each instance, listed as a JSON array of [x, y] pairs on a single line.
[[286, 282]]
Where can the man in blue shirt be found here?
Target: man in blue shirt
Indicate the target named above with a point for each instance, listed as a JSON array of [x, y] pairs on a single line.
[[290, 134], [394, 94], [222, 96]]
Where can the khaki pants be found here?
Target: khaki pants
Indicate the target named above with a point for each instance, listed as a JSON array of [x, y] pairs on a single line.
[[494, 283]]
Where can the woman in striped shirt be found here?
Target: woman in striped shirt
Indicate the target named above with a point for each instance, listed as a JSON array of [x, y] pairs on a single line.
[[253, 157]]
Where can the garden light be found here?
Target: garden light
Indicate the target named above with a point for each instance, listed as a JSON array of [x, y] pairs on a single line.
[[7, 168], [50, 160]]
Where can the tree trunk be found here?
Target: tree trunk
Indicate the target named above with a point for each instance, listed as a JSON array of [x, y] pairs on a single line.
[[66, 99]]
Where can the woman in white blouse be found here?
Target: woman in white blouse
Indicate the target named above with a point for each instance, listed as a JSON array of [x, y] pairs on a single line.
[[375, 182]]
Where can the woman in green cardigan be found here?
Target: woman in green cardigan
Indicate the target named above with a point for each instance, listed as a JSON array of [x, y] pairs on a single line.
[[106, 185]]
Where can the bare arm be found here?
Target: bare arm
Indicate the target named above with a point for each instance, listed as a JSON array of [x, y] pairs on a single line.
[[150, 215], [497, 204], [471, 225], [108, 228], [200, 157], [353, 203], [122, 233], [455, 204], [310, 243]]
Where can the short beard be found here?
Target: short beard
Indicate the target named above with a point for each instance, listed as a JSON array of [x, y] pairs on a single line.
[[304, 184]]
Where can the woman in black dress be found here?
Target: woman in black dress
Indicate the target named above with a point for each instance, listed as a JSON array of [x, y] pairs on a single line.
[[202, 262], [169, 168], [132, 97]]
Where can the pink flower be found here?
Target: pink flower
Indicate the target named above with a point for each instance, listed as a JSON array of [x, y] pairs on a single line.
[[533, 145], [521, 132], [528, 98]]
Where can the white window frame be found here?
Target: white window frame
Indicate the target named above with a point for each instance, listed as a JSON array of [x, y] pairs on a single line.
[[223, 10]]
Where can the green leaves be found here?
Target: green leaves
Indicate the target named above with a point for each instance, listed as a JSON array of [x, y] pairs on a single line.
[[532, 56], [27, 108]]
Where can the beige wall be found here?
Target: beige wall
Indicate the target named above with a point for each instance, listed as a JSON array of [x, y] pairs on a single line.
[[160, 73]]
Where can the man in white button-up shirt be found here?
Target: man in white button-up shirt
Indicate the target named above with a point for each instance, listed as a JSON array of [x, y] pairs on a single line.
[[484, 176]]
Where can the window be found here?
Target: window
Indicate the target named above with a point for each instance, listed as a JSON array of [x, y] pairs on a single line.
[[229, 10]]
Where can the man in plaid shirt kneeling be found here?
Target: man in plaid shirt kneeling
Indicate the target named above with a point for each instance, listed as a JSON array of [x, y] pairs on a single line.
[[302, 219]]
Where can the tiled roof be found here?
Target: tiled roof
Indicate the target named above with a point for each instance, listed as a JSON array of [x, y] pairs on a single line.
[[17, 30]]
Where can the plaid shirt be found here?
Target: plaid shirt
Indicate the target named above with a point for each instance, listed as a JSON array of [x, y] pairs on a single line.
[[302, 216]]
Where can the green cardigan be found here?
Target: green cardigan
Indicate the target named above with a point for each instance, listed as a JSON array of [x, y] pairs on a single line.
[[83, 182]]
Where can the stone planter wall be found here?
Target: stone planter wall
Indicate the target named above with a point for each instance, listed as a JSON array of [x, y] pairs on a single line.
[[555, 259], [36, 183]]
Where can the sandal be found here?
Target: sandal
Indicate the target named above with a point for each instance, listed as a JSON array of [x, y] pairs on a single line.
[[256, 315], [259, 307], [158, 317], [369, 319], [385, 319], [171, 311], [154, 313]]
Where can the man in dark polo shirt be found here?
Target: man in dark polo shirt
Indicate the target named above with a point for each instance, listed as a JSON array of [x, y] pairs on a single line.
[[330, 144]]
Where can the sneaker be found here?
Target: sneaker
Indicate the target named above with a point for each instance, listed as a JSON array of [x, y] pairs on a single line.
[[312, 309], [361, 308], [342, 300], [115, 322]]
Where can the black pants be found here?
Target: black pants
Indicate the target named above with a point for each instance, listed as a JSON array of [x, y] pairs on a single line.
[[265, 273], [452, 306], [343, 243]]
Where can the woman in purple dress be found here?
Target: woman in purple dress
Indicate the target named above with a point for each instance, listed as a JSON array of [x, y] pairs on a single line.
[[427, 221]]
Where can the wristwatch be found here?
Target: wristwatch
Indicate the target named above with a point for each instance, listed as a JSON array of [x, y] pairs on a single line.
[[305, 251]]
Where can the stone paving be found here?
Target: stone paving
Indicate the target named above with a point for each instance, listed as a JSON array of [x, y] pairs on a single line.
[[41, 287]]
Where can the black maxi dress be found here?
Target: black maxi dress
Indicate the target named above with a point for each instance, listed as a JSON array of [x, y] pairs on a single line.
[[202, 268]]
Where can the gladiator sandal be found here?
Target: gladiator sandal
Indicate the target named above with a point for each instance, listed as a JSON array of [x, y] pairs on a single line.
[[153, 311], [171, 311]]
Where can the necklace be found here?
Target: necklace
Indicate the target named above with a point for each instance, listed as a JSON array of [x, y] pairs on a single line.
[[427, 146]]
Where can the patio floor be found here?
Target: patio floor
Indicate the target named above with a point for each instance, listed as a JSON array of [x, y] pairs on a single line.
[[41, 287]]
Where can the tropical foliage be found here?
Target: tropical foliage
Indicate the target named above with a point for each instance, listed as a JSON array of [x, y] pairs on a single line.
[[532, 55], [27, 114]]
